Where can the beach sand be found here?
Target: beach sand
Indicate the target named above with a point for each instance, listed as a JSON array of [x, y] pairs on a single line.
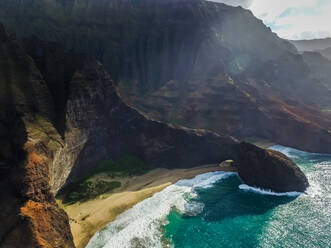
[[91, 216]]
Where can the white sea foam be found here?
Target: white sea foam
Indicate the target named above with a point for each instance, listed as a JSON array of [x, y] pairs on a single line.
[[288, 151], [205, 180], [294, 153], [140, 226], [245, 187]]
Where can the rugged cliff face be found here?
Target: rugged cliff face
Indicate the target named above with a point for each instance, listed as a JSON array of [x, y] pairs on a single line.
[[39, 154], [100, 126], [154, 48], [242, 108], [29, 215], [317, 55], [320, 67]]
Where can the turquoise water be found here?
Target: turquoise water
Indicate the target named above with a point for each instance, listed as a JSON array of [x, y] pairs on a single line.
[[234, 218], [215, 210]]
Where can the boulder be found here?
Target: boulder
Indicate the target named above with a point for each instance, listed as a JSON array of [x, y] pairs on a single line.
[[270, 170]]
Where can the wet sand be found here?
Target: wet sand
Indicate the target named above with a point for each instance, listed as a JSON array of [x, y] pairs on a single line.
[[88, 217]]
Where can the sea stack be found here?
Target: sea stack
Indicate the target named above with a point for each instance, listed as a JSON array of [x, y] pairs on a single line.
[[270, 170]]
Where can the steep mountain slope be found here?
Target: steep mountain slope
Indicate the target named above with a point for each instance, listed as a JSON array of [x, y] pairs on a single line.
[[322, 46], [311, 45], [147, 43], [320, 67], [29, 215], [325, 52], [317, 55], [149, 46], [242, 109], [100, 126], [36, 160]]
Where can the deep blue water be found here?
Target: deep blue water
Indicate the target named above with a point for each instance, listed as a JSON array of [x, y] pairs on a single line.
[[211, 211], [234, 218]]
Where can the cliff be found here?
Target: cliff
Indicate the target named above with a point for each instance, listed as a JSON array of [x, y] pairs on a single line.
[[242, 109], [320, 67], [100, 126], [154, 48], [178, 61], [29, 215], [38, 154]]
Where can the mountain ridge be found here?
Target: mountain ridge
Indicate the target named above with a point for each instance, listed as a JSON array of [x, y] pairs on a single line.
[[36, 160], [311, 45], [189, 43]]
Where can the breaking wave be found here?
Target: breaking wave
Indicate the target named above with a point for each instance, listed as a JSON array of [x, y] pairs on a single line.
[[245, 187], [140, 226]]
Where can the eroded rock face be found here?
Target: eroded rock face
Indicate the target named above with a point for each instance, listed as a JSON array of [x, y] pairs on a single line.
[[30, 216], [101, 126], [241, 108], [320, 66], [163, 53], [270, 170], [36, 160]]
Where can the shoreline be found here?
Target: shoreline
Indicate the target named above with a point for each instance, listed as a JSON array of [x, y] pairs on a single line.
[[88, 217]]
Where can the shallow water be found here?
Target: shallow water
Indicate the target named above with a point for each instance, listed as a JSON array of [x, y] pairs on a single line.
[[217, 210]]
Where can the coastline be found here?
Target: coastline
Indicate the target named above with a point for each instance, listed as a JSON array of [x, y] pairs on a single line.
[[88, 217]]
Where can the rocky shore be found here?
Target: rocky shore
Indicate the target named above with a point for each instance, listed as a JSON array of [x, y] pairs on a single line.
[[44, 147]]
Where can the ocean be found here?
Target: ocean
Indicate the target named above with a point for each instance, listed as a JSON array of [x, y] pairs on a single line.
[[217, 210]]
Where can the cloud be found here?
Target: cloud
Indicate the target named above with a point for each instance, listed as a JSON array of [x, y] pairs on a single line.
[[242, 3], [293, 19], [269, 10]]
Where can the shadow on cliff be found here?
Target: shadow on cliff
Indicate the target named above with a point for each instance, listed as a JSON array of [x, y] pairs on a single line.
[[113, 129], [13, 136]]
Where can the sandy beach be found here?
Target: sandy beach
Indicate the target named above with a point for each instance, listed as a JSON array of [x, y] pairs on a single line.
[[91, 216]]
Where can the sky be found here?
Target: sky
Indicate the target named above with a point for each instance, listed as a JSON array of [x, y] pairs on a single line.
[[291, 19]]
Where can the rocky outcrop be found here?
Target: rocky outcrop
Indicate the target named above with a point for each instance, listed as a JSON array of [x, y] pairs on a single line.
[[270, 170]]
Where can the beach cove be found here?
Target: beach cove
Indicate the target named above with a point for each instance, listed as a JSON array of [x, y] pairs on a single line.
[[216, 209], [86, 218]]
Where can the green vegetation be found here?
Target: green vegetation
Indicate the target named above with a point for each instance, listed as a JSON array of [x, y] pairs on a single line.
[[125, 166], [83, 191], [88, 188]]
